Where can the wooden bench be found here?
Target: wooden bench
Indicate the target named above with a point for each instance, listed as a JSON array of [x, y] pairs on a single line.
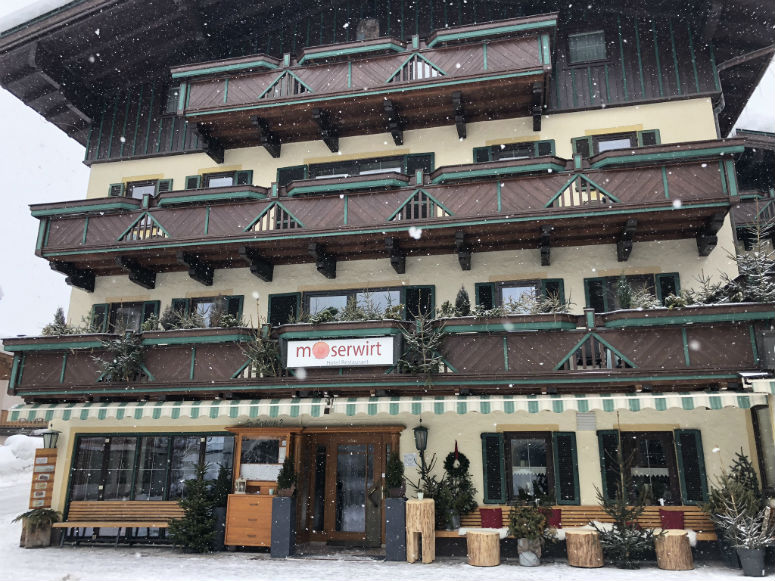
[[120, 514], [577, 516]]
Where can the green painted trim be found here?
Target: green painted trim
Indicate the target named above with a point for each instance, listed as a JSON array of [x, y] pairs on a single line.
[[331, 333], [280, 78], [495, 172], [214, 197], [498, 192], [99, 135], [267, 209], [322, 188], [42, 225], [61, 346], [412, 196], [615, 350], [226, 91], [698, 462], [139, 218], [716, 80], [13, 380], [607, 84], [505, 353], [640, 60], [685, 340], [659, 64], [729, 166], [668, 155], [689, 319], [484, 56], [81, 208], [137, 119], [694, 59], [150, 117], [123, 129], [258, 63], [572, 351], [496, 30], [621, 58], [207, 220], [206, 339], [723, 176], [675, 57], [85, 229], [754, 349], [349, 74], [386, 228], [665, 186], [112, 127], [509, 327], [387, 91], [346, 208], [351, 51], [408, 60], [193, 363], [547, 54], [570, 182]]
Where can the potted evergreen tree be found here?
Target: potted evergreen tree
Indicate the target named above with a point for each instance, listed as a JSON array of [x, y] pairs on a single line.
[[286, 478], [527, 525], [394, 476], [195, 532], [457, 491]]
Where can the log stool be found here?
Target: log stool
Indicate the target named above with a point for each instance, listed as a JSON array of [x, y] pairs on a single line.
[[673, 550], [420, 527], [484, 548], [583, 547]]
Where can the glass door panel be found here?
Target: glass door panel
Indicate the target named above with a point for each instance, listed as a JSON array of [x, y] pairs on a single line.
[[351, 475]]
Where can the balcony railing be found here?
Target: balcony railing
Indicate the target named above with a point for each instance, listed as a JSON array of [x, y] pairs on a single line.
[[664, 350]]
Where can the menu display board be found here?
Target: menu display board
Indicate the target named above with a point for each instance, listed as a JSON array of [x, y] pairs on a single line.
[[43, 477]]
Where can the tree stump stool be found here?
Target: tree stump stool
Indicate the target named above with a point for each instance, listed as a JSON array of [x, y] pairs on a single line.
[[673, 550], [420, 530], [484, 548], [583, 547]]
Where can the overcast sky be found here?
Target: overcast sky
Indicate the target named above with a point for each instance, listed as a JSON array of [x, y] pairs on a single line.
[[40, 164]]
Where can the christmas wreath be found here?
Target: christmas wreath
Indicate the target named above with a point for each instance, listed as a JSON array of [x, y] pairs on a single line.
[[456, 464]]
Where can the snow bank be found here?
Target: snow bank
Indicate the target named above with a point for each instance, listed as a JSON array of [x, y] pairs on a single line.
[[16, 459], [30, 12]]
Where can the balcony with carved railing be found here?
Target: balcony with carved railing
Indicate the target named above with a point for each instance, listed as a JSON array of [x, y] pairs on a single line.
[[695, 348]]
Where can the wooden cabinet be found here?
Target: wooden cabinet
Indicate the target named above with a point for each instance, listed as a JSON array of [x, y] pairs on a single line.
[[249, 520]]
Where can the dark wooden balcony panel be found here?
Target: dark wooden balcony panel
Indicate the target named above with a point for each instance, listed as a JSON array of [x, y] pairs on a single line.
[[81, 368], [733, 348], [220, 361], [527, 355], [476, 351], [168, 363], [43, 369]]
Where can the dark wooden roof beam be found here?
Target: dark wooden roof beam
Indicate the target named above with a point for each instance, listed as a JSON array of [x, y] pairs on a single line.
[[706, 238], [624, 244], [259, 266], [463, 250], [328, 132], [395, 123], [267, 139], [545, 245], [324, 262], [81, 278], [460, 115], [198, 269], [397, 255], [145, 277], [213, 147], [537, 105]]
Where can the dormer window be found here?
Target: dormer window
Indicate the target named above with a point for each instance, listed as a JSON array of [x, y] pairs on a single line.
[[586, 47]]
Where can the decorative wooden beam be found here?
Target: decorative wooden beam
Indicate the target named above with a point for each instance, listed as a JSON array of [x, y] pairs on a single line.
[[81, 278], [145, 277], [268, 140], [395, 123], [213, 147], [545, 246], [397, 256], [460, 115], [463, 251], [537, 105], [706, 238], [328, 133], [624, 244], [259, 266], [324, 262], [198, 269]]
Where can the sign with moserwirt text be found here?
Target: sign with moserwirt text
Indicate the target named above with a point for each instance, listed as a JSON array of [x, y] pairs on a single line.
[[341, 352]]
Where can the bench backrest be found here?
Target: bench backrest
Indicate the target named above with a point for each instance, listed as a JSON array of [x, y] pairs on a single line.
[[124, 510]]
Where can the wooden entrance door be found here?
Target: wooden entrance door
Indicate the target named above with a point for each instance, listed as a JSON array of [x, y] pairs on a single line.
[[343, 476]]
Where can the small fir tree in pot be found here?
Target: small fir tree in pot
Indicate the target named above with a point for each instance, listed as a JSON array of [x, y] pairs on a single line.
[[527, 524], [195, 532], [36, 527], [462, 303], [457, 490], [394, 476], [286, 479]]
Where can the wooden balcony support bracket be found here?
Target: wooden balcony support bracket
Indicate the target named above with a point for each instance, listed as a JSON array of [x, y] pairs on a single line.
[[537, 105], [259, 266], [395, 123], [706, 238], [397, 256], [463, 251], [324, 262], [328, 133], [268, 140], [81, 278], [546, 246], [198, 269], [460, 115], [145, 277], [624, 244], [213, 147]]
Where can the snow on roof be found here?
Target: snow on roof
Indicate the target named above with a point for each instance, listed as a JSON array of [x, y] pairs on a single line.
[[30, 12]]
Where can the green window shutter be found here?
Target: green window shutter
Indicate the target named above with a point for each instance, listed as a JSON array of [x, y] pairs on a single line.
[[415, 161], [98, 320], [667, 284], [419, 300], [544, 147], [116, 190], [650, 137], [485, 295], [608, 444], [494, 469], [566, 476], [193, 182], [243, 178], [481, 154], [554, 287], [234, 306], [283, 308], [163, 186], [150, 309], [286, 175], [691, 466], [582, 146], [181, 306]]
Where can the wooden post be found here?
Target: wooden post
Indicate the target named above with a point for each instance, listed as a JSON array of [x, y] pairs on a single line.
[[583, 546], [673, 550], [484, 548], [420, 528]]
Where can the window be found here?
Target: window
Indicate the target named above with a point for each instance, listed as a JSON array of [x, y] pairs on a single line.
[[372, 300], [530, 466], [209, 309], [498, 294], [172, 101], [508, 151], [284, 308], [663, 466], [121, 317], [594, 144], [220, 179], [406, 164], [586, 47], [148, 467], [140, 188], [602, 294]]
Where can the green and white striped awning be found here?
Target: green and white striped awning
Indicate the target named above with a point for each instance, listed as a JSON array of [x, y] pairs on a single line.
[[381, 406], [766, 385]]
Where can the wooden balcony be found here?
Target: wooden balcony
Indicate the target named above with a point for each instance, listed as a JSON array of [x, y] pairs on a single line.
[[626, 351], [458, 75], [670, 191]]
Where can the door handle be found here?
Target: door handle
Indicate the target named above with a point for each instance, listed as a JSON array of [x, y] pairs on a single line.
[[371, 494]]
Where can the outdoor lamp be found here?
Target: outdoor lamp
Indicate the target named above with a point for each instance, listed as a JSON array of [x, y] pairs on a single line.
[[50, 438], [421, 437]]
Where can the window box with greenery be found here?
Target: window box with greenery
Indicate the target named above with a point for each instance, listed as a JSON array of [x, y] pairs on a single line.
[[36, 527]]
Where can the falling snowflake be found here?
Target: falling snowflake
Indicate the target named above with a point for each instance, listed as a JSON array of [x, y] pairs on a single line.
[[301, 373], [415, 232], [677, 204]]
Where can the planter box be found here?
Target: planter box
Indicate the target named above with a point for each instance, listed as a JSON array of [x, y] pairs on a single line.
[[283, 527]]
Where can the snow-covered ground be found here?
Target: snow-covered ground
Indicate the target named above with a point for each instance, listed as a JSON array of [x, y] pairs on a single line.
[[86, 563]]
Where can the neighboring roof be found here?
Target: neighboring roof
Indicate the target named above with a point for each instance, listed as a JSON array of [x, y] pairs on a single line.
[[6, 359], [32, 12]]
